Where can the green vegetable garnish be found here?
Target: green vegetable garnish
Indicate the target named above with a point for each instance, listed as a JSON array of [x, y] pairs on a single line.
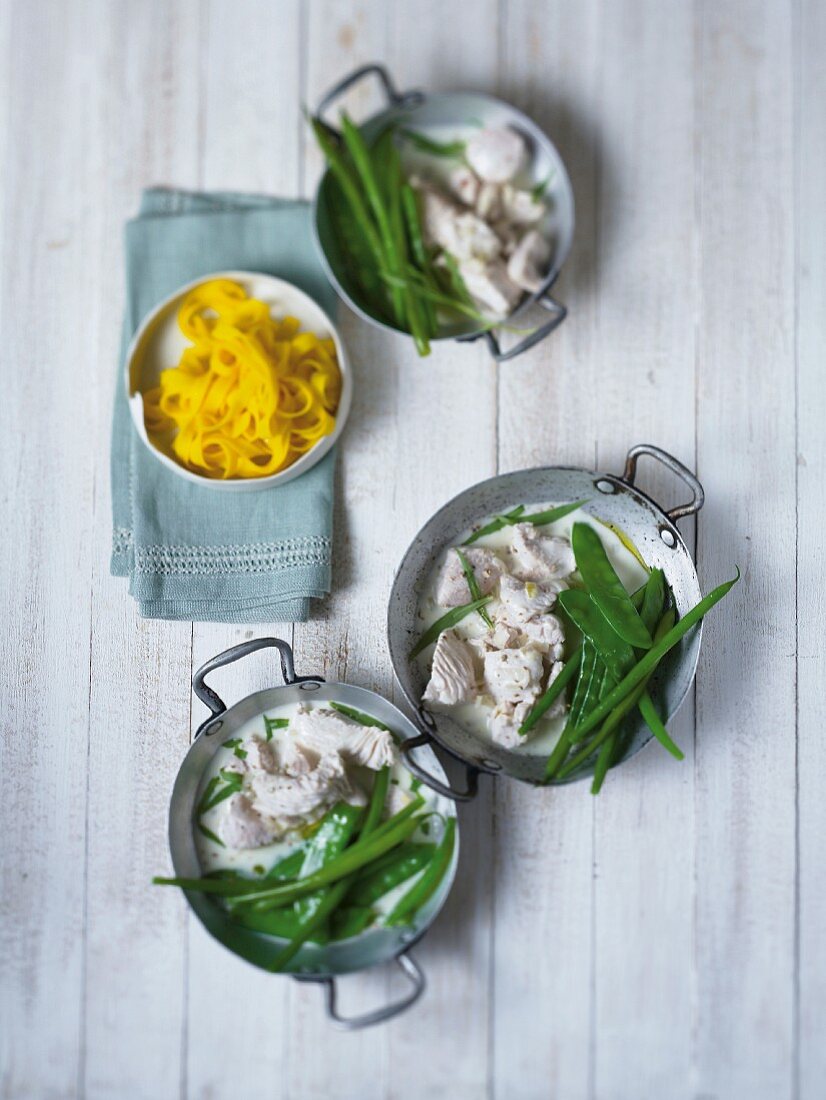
[[605, 588], [359, 716], [446, 622], [516, 515], [271, 724], [208, 833], [473, 585], [435, 148]]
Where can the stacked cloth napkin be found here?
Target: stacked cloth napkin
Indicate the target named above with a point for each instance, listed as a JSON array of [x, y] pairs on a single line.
[[192, 552]]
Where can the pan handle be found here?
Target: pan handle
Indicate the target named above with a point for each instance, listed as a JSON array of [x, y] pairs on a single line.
[[411, 970], [558, 314], [394, 97], [214, 701], [429, 780], [676, 467]]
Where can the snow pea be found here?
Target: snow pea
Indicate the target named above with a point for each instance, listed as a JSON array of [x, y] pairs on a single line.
[[407, 861], [569, 670], [582, 610], [654, 655], [378, 797], [616, 714], [605, 587], [331, 838], [349, 920], [284, 923], [425, 888]]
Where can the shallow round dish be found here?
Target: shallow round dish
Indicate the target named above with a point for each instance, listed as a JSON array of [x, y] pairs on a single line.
[[615, 500], [158, 344]]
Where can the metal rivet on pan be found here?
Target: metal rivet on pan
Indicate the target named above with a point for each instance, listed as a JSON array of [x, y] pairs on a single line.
[[214, 727], [310, 685], [605, 486], [668, 537], [407, 937], [490, 765]]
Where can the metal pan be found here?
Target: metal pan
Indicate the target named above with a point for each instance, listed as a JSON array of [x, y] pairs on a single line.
[[456, 109], [314, 962], [615, 500]]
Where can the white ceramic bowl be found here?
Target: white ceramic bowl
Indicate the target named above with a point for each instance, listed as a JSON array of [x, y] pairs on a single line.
[[158, 344]]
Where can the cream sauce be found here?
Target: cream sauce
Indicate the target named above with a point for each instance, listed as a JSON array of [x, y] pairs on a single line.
[[474, 716]]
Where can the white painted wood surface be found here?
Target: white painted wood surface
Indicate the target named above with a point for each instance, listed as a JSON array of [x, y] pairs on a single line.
[[664, 941]]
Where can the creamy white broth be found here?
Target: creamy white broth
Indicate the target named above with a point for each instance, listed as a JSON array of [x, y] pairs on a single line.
[[257, 861], [474, 716]]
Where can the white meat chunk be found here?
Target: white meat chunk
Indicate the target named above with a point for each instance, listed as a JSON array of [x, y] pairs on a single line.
[[520, 207], [528, 264], [514, 676], [464, 184], [452, 673], [260, 755], [294, 800], [489, 284], [455, 229], [503, 636], [546, 634], [496, 154], [488, 203], [452, 587], [545, 559], [323, 731], [522, 601], [241, 826], [504, 724], [291, 760]]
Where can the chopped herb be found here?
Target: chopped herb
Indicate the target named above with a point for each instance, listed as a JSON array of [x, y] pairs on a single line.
[[539, 189], [473, 585], [496, 524], [415, 784], [425, 828], [204, 804], [435, 148], [208, 833], [448, 620], [359, 716], [234, 743], [259, 870], [275, 724]]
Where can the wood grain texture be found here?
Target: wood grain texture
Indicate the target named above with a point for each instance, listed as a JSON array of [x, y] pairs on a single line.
[[663, 941], [745, 756]]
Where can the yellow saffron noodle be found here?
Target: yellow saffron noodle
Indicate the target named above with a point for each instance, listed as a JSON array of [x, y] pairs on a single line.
[[249, 395]]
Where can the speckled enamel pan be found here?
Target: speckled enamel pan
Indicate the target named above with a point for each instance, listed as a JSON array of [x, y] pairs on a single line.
[[314, 962], [615, 500], [421, 111]]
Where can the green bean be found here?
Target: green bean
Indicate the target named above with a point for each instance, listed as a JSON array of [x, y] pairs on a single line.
[[351, 859], [358, 716], [377, 800], [605, 587], [349, 920], [284, 923], [653, 656], [584, 688], [542, 704], [360, 156], [473, 585], [328, 903], [380, 880], [653, 600], [423, 890], [655, 724], [616, 653], [338, 166], [446, 622]]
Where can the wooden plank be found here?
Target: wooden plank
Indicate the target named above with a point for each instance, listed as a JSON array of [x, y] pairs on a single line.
[[136, 936], [544, 840], [647, 298], [401, 406], [745, 750], [47, 560], [252, 71], [811, 506]]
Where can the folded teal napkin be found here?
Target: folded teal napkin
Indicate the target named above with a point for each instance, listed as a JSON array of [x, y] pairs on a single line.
[[191, 552]]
